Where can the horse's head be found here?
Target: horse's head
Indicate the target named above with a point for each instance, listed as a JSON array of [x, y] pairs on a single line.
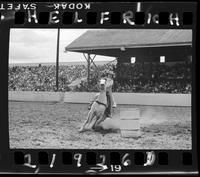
[[102, 84]]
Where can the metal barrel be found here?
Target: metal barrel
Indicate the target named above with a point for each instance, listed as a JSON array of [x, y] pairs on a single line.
[[130, 122]]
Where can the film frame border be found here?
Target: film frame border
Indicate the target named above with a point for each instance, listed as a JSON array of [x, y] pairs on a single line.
[[45, 169]]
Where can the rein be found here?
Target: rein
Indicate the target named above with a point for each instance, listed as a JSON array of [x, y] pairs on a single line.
[[101, 103]]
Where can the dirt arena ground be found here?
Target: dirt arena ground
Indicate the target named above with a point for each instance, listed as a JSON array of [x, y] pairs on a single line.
[[55, 125]]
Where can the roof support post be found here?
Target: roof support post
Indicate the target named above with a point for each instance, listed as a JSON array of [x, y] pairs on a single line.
[[88, 70], [89, 62], [92, 61], [87, 57], [57, 60]]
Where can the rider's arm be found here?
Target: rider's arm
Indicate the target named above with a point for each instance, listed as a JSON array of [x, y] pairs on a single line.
[[109, 82]]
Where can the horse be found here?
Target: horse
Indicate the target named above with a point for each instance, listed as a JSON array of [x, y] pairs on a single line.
[[96, 115]]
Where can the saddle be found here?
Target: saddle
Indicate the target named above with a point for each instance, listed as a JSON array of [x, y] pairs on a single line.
[[108, 106]]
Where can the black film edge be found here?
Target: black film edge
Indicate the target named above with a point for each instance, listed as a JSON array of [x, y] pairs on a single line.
[[138, 58]]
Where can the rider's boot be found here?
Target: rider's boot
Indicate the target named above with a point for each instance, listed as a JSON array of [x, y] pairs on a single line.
[[114, 105], [90, 105]]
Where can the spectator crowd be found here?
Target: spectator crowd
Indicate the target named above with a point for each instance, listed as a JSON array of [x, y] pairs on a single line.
[[137, 77], [154, 78], [43, 78]]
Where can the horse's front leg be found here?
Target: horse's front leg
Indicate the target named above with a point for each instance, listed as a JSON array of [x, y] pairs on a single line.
[[89, 118], [91, 115]]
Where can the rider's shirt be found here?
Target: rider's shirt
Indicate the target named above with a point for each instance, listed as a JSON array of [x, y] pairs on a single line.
[[109, 84]]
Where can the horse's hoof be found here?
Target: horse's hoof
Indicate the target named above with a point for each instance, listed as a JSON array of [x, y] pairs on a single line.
[[81, 130]]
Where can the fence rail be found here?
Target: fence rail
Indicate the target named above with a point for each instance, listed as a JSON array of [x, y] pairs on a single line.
[[121, 98]]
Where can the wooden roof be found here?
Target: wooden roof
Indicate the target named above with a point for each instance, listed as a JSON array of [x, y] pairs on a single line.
[[130, 38]]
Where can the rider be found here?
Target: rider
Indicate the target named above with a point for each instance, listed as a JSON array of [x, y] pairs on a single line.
[[108, 76]]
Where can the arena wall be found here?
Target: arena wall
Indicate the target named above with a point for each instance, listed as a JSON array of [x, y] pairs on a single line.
[[35, 96], [134, 98], [121, 98]]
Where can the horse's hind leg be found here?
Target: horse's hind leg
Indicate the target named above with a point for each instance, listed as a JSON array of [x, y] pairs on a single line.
[[92, 125], [99, 120]]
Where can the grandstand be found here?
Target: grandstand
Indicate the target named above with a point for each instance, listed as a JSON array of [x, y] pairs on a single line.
[[144, 46], [157, 61], [137, 78]]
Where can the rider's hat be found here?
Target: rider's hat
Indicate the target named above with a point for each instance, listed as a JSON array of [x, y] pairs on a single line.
[[102, 81]]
